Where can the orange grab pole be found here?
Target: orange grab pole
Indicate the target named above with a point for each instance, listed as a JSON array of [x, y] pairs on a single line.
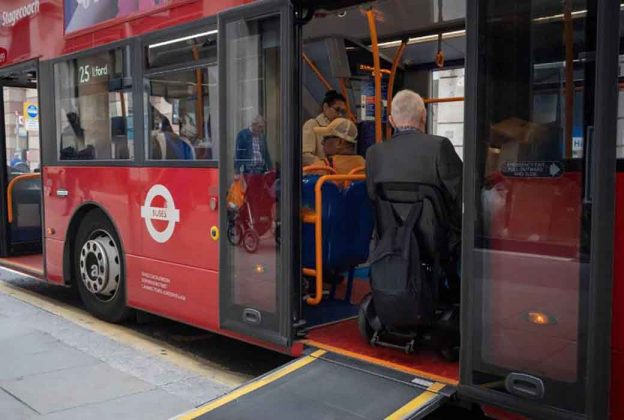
[[318, 232], [316, 71], [375, 44], [395, 66], [199, 105], [442, 100], [10, 189]]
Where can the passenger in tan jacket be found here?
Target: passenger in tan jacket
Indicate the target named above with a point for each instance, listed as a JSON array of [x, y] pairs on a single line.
[[334, 106]]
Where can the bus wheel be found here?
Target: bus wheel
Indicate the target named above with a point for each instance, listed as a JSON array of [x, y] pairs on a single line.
[[251, 241], [99, 268]]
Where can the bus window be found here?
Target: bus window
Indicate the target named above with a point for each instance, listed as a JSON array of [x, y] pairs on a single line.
[[94, 107], [181, 118], [447, 118], [182, 109]]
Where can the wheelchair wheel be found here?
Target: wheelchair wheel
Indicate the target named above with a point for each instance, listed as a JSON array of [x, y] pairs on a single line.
[[234, 234], [251, 241]]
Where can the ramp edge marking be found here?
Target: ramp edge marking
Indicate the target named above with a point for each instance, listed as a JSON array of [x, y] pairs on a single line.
[[252, 386], [417, 403], [381, 362]]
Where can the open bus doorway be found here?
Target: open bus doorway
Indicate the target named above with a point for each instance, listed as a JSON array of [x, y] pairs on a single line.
[[423, 52], [20, 171]]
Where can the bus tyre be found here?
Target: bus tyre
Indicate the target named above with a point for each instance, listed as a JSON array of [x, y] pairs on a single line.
[[99, 270]]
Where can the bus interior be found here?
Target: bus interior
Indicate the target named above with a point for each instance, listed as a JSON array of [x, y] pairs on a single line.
[[423, 52]]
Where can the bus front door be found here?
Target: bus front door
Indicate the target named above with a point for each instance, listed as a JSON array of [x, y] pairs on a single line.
[[539, 197], [20, 200], [257, 172]]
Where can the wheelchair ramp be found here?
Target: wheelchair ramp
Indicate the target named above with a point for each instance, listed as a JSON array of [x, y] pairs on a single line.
[[325, 385]]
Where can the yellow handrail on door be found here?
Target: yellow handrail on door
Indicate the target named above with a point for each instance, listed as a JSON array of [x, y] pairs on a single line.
[[10, 189], [317, 219]]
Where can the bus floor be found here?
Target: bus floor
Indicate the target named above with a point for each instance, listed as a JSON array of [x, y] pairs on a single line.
[[29, 264], [344, 338], [333, 326]]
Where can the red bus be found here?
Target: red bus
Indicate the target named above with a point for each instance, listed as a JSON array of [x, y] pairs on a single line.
[[123, 132]]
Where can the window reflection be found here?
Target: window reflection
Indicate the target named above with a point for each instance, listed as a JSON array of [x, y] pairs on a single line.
[[253, 151], [94, 107]]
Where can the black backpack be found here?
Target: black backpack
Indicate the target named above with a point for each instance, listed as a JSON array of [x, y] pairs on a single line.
[[404, 289]]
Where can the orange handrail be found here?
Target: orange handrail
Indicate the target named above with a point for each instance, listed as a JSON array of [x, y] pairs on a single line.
[[316, 71], [318, 233], [318, 167], [372, 25], [395, 66], [442, 100], [199, 104], [10, 189]]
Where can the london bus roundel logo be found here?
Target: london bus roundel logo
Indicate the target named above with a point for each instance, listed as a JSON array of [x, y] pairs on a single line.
[[169, 213]]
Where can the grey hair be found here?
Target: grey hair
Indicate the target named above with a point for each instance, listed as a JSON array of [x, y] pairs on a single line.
[[407, 108]]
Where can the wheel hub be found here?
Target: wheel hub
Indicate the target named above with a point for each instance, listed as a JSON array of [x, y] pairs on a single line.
[[99, 265]]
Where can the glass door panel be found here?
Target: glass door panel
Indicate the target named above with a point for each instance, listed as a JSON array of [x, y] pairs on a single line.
[[253, 289], [530, 250]]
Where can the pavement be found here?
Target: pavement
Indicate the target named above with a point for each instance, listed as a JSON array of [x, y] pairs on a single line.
[[60, 363]]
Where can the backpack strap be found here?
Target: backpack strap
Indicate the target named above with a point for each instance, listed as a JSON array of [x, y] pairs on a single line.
[[408, 227]]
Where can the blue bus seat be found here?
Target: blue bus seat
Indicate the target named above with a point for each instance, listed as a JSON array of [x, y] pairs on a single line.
[[334, 227], [348, 222]]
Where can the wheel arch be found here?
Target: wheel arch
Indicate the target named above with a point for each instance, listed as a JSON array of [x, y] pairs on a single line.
[[72, 229]]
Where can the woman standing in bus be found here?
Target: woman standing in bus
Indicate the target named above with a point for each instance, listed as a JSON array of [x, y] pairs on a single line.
[[334, 106]]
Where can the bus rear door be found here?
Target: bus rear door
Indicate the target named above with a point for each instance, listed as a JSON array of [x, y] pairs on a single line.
[[539, 205]]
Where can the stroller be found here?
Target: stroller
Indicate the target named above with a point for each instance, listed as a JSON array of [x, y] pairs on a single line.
[[424, 311], [252, 209]]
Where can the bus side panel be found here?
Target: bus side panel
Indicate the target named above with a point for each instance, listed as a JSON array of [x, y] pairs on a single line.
[[179, 292], [617, 336], [54, 260], [116, 190], [195, 195]]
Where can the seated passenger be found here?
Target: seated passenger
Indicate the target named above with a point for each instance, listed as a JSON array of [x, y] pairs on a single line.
[[334, 106], [339, 145], [411, 155], [171, 145]]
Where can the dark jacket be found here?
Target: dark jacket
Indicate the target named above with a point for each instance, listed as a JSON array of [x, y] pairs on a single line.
[[243, 161], [412, 156]]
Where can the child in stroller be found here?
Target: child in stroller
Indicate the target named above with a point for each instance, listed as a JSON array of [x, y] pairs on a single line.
[[252, 209]]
